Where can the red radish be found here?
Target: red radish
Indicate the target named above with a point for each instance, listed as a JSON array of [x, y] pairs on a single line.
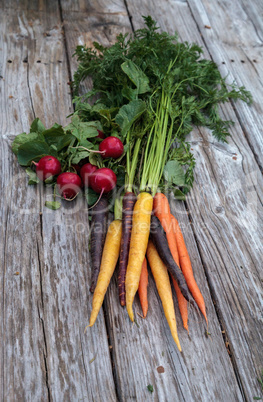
[[101, 134], [47, 166], [69, 184], [103, 180], [85, 173], [111, 147]]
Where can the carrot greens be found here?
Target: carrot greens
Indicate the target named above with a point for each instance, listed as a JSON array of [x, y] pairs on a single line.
[[173, 89]]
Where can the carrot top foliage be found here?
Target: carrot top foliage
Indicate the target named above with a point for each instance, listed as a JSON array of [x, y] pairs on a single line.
[[154, 88]]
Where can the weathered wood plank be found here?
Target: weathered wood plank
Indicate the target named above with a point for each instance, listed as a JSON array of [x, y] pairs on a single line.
[[34, 5], [226, 208], [137, 352], [22, 347], [235, 43], [33, 51], [108, 8], [44, 351]]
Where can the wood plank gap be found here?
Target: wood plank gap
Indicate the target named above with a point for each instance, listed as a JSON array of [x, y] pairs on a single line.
[[40, 244], [3, 297], [231, 101], [129, 14], [66, 47], [39, 314], [217, 310], [29, 89], [110, 343]]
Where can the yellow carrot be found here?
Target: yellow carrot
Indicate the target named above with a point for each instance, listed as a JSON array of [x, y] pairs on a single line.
[[139, 239], [109, 260], [163, 285]]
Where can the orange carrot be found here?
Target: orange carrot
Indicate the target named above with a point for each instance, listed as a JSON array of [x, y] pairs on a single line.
[[142, 289], [182, 303], [162, 211], [186, 267]]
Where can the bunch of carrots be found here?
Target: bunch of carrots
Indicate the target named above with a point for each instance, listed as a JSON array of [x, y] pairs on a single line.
[[148, 229]]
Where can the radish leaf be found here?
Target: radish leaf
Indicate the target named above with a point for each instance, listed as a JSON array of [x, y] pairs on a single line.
[[33, 179], [33, 151], [91, 196], [37, 126], [22, 139]]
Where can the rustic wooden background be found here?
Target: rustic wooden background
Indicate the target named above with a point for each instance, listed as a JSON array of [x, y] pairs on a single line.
[[45, 270]]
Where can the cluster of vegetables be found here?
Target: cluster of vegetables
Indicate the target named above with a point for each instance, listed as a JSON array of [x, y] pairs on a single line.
[[69, 184], [126, 143]]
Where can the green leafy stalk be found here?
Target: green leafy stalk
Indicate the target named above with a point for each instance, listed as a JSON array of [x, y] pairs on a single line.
[[132, 167]]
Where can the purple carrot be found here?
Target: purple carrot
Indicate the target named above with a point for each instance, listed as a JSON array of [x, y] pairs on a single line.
[[159, 239], [128, 202], [97, 238]]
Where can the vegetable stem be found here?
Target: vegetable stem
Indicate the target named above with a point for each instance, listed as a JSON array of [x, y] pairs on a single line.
[[132, 168]]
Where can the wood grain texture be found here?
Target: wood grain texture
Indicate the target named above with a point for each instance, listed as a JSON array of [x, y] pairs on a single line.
[[47, 6], [235, 43], [107, 9], [34, 72], [44, 352], [226, 211], [22, 347]]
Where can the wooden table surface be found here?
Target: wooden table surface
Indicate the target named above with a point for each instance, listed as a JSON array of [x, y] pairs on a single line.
[[45, 268]]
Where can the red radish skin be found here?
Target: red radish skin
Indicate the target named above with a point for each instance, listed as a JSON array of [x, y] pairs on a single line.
[[103, 180], [47, 166], [69, 184], [111, 147], [86, 172], [101, 134]]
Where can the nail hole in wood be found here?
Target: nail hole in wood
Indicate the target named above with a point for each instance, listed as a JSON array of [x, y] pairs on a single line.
[[38, 61], [223, 62], [242, 61], [232, 61], [25, 60], [254, 61], [59, 61], [9, 61]]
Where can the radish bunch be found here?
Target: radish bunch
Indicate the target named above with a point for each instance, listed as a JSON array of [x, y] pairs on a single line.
[[101, 180]]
